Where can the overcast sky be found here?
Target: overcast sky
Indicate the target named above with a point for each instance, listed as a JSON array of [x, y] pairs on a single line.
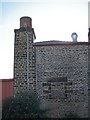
[[51, 20]]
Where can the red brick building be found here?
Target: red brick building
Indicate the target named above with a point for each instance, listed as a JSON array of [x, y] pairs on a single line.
[[6, 88]]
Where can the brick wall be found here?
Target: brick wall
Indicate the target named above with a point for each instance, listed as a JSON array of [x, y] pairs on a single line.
[[62, 78], [24, 58], [89, 80], [57, 71]]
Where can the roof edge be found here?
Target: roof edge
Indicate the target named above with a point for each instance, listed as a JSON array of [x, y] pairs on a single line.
[[59, 43], [7, 80]]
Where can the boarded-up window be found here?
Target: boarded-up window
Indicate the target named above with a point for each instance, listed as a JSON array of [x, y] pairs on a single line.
[[57, 79]]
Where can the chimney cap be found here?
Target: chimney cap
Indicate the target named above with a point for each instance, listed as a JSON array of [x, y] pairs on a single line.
[[25, 22], [26, 17], [74, 33]]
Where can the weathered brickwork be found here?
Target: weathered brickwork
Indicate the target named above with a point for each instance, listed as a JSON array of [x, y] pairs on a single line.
[[89, 80], [62, 78], [24, 60], [58, 71]]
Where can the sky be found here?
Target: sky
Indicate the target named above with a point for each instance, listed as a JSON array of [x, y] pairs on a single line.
[[51, 20]]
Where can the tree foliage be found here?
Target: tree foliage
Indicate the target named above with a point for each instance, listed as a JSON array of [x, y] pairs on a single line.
[[25, 105], [72, 115]]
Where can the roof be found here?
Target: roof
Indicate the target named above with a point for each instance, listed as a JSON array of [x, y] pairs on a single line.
[[57, 42], [6, 80]]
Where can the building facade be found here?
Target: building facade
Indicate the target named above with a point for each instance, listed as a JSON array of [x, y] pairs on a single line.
[[58, 71]]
